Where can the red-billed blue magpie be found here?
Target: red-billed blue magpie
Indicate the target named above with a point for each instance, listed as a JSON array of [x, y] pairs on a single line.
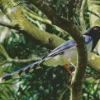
[[63, 54]]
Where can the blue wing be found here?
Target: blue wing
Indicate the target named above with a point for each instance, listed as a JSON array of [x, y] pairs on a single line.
[[67, 45]]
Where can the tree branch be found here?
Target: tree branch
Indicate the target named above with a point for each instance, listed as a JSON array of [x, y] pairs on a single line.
[[9, 59], [82, 21], [43, 20], [19, 22], [94, 62]]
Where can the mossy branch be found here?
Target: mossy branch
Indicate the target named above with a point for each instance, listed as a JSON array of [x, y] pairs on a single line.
[[7, 58], [94, 62], [32, 15], [19, 22], [82, 21]]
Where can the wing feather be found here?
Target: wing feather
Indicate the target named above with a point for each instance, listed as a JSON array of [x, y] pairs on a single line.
[[67, 45]]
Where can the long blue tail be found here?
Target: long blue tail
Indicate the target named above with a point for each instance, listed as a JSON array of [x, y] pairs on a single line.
[[20, 72]]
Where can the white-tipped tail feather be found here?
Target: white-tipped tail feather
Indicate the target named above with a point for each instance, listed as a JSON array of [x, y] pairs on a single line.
[[20, 72]]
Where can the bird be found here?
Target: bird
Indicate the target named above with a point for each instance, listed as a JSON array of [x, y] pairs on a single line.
[[65, 53]]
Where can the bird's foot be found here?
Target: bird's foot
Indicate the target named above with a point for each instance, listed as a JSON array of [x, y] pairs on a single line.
[[68, 70]]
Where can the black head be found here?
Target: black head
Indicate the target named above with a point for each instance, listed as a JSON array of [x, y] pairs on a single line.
[[94, 32]]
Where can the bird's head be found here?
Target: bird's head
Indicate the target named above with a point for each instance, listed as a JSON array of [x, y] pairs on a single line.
[[94, 32]]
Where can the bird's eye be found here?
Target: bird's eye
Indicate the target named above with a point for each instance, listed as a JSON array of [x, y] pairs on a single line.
[[96, 29]]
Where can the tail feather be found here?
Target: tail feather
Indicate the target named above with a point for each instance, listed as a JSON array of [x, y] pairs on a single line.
[[26, 70]]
